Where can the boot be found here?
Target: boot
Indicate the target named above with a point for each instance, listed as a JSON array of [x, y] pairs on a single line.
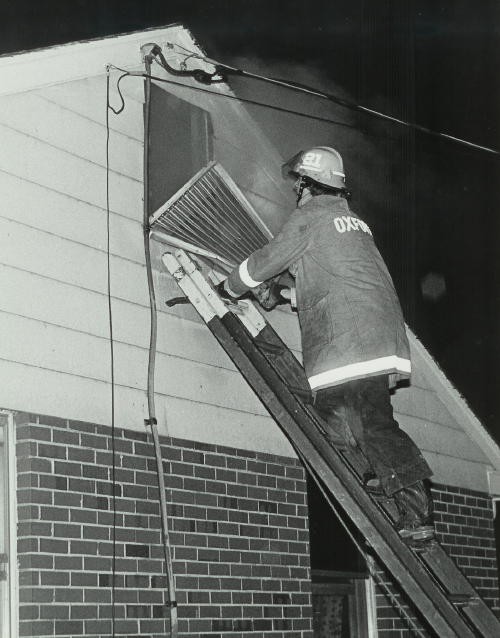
[[414, 504], [372, 484]]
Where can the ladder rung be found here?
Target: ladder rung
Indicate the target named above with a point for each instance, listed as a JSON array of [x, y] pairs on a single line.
[[463, 600], [339, 444]]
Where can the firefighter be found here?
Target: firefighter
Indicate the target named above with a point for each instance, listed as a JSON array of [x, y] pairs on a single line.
[[353, 334]]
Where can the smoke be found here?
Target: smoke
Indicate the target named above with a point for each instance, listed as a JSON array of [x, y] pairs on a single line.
[[433, 205], [291, 133], [377, 159], [394, 190]]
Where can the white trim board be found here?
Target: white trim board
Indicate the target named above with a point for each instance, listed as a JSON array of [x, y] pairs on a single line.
[[494, 483], [26, 71]]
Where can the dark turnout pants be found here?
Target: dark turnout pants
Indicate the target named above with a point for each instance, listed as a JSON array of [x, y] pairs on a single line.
[[364, 405]]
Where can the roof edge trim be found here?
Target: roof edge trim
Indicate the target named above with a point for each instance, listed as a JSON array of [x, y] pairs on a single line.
[[30, 70]]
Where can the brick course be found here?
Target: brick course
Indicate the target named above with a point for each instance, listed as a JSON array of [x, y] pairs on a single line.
[[239, 536]]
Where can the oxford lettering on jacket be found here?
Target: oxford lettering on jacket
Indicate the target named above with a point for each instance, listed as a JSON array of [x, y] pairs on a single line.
[[347, 223]]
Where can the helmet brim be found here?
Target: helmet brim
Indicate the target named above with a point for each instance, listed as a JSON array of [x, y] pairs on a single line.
[[289, 169]]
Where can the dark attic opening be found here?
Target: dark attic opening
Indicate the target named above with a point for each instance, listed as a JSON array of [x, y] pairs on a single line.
[[179, 145]]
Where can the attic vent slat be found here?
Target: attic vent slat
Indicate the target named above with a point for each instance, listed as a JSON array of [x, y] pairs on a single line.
[[211, 213]]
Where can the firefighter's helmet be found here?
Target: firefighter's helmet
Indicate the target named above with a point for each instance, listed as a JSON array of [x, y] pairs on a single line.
[[320, 163]]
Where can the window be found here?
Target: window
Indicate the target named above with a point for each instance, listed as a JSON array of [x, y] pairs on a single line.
[[339, 574]]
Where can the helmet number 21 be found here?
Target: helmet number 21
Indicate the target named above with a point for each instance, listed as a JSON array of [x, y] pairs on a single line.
[[312, 160]]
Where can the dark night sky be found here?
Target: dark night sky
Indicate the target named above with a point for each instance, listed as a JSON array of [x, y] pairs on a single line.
[[432, 62]]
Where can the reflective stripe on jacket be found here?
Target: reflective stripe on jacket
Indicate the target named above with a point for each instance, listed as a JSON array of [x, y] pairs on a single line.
[[350, 318]]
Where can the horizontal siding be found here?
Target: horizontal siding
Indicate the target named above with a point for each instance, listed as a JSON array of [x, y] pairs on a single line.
[[449, 470], [441, 439], [64, 129], [54, 281], [88, 98], [56, 349], [209, 423], [53, 225], [46, 301], [57, 213], [31, 389], [36, 161], [423, 402], [47, 254], [26, 388]]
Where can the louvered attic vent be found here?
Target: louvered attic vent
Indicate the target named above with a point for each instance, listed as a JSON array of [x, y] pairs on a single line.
[[212, 214]]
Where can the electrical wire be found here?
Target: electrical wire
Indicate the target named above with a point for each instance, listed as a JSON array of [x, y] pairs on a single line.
[[122, 105], [308, 116], [228, 96], [222, 68], [200, 75], [112, 361]]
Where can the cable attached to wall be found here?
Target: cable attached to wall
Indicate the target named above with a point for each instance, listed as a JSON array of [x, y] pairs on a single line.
[[112, 361], [151, 421], [224, 70], [228, 96], [198, 74]]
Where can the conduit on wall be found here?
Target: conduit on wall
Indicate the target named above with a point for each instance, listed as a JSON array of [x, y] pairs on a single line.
[[151, 420]]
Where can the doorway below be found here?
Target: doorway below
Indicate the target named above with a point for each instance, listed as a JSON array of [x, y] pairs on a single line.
[[8, 572]]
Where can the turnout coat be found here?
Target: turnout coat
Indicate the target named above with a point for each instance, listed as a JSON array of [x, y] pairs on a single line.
[[350, 318]]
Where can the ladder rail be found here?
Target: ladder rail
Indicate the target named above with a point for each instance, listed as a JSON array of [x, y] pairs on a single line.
[[430, 579], [384, 540], [438, 563]]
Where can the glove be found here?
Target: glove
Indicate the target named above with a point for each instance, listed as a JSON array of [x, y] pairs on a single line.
[[222, 292], [269, 294]]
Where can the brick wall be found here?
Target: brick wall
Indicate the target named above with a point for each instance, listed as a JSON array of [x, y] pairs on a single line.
[[238, 529], [464, 525]]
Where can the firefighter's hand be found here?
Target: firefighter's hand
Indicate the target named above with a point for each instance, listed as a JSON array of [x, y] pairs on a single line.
[[222, 292], [286, 293], [270, 294]]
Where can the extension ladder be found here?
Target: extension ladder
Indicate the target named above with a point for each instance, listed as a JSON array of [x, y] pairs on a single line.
[[447, 603]]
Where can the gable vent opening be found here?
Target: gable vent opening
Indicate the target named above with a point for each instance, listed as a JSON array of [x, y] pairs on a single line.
[[211, 217]]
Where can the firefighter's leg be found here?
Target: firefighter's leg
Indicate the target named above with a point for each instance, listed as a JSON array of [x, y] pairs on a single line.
[[396, 460], [331, 407]]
